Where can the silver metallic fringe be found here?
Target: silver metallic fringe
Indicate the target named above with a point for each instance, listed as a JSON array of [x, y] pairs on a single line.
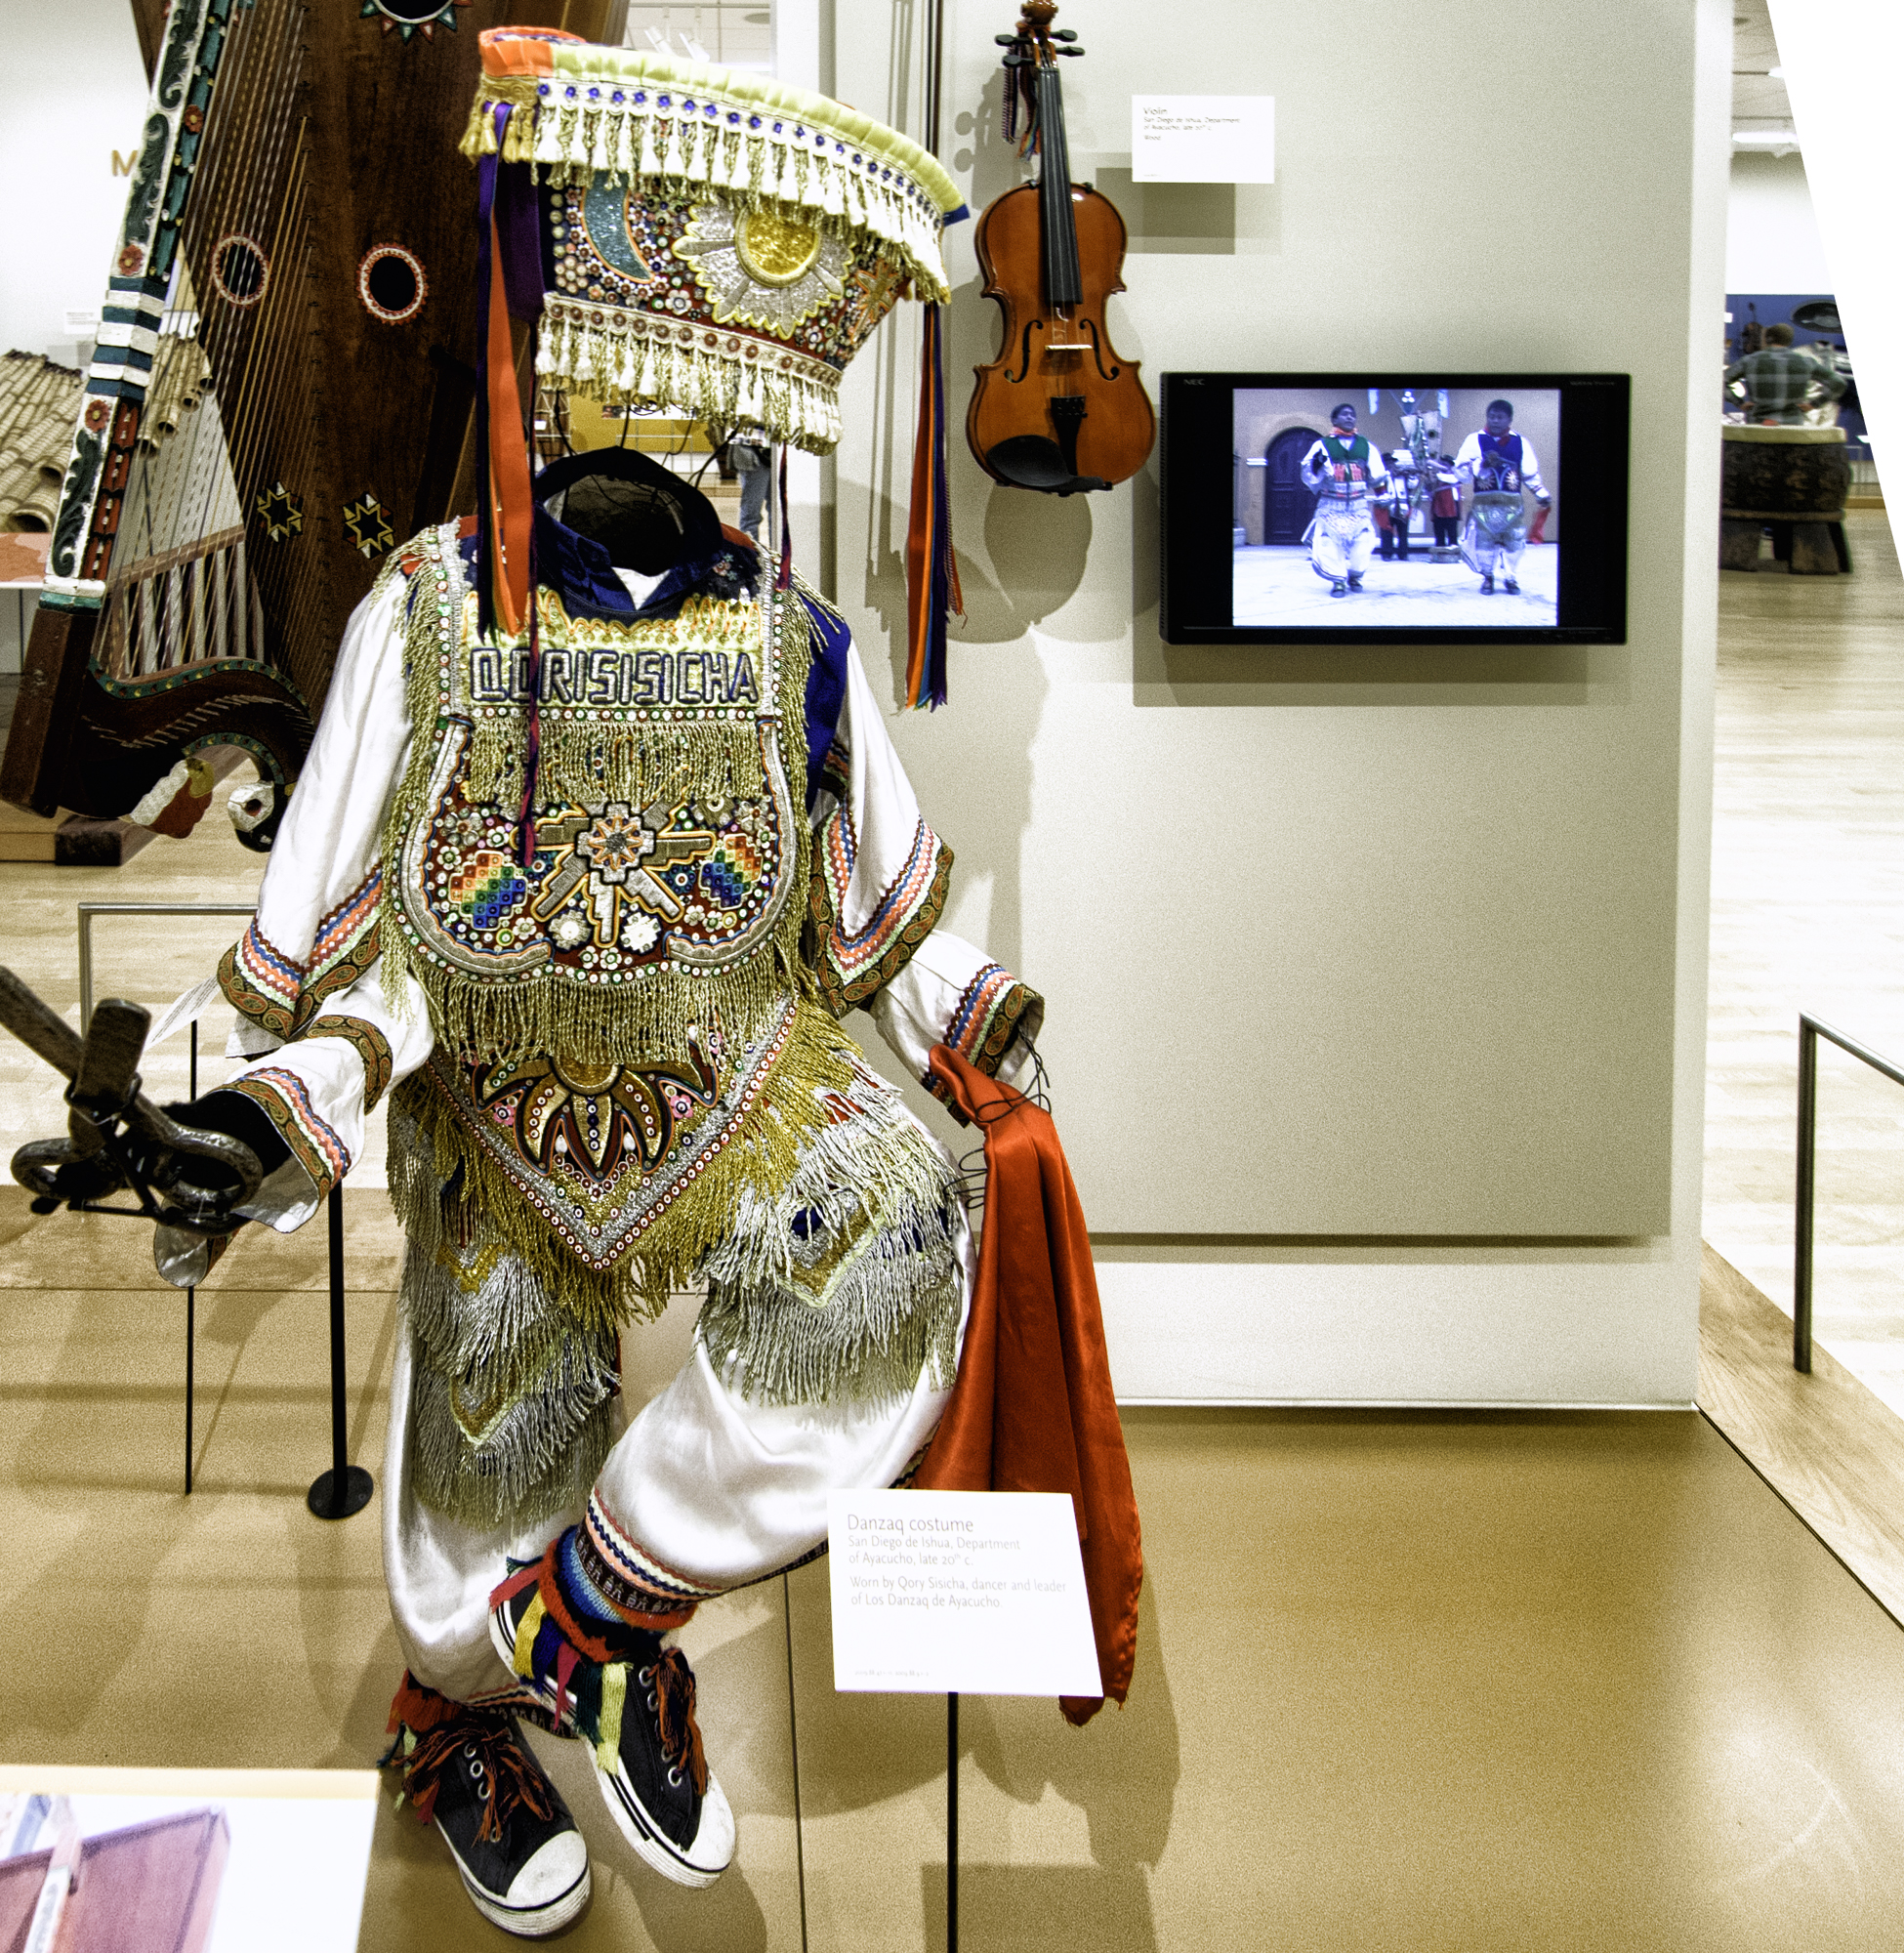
[[847, 1284]]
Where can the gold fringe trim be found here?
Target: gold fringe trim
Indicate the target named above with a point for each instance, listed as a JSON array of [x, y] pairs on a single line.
[[509, 1404], [632, 359], [761, 1157], [584, 758], [848, 1284], [541, 1459], [865, 177], [650, 1021], [869, 1348]]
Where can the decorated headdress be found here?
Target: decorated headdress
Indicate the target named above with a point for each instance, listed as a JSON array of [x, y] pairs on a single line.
[[684, 235]]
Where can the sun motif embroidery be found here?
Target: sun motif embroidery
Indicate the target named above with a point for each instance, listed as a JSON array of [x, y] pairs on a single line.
[[593, 1120], [612, 855], [759, 267], [775, 248]]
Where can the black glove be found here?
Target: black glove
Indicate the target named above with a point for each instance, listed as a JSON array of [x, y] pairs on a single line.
[[196, 1182], [237, 1117]]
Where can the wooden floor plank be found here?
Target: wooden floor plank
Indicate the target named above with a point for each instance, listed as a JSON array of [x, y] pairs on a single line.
[[1829, 1447], [1809, 914]]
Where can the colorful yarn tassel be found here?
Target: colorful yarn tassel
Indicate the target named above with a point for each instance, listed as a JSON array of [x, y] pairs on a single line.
[[525, 838], [932, 569], [783, 575]]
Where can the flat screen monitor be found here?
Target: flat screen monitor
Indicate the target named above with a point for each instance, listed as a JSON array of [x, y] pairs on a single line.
[[1381, 508]]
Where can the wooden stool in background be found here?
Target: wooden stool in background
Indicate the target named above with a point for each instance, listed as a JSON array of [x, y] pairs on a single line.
[[1793, 479]]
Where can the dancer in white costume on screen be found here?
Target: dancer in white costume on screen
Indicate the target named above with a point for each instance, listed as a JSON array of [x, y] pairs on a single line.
[[1496, 466], [1340, 470]]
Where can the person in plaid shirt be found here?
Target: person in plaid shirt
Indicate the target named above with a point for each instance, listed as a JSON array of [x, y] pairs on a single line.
[[1778, 379]]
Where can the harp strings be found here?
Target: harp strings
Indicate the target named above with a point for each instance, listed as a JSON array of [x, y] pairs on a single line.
[[196, 575]]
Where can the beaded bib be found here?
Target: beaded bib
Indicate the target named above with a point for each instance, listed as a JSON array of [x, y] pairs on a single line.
[[669, 838]]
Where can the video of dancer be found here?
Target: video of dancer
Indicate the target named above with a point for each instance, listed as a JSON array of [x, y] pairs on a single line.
[[1378, 506]]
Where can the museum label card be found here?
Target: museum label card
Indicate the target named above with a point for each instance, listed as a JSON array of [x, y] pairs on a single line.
[[981, 1593], [1219, 139]]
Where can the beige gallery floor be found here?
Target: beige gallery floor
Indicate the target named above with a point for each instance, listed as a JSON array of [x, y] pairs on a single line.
[[1436, 1682], [1489, 1682]]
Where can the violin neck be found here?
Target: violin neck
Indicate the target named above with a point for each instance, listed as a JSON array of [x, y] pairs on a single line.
[[1063, 282]]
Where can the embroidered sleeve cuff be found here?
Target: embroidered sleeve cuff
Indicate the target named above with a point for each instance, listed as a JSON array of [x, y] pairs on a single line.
[[261, 982], [369, 1044], [278, 995], [951, 993], [287, 1103], [994, 1012], [346, 946], [855, 963]]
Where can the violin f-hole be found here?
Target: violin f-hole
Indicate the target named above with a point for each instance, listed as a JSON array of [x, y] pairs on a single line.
[[1115, 369]]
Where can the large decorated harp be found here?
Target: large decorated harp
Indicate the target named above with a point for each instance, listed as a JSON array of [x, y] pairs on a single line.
[[283, 388]]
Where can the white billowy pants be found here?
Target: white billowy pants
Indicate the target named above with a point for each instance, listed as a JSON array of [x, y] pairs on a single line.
[[717, 1489], [1341, 540], [1496, 537]]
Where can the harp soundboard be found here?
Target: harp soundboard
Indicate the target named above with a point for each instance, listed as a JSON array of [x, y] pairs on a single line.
[[298, 255]]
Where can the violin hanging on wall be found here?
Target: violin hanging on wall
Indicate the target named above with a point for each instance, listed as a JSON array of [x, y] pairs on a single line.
[[1058, 410]]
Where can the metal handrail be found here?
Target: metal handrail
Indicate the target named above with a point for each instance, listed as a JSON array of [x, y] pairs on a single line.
[[345, 1488], [88, 910], [1810, 1030]]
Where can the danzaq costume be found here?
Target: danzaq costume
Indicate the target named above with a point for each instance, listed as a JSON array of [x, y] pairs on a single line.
[[1342, 470], [1498, 465], [582, 872], [616, 1071]]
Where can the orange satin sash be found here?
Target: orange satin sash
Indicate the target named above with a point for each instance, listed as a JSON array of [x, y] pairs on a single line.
[[1032, 1409]]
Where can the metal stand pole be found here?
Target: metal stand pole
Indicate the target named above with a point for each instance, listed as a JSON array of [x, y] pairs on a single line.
[[1808, 1150], [951, 1823], [345, 1488], [191, 1294]]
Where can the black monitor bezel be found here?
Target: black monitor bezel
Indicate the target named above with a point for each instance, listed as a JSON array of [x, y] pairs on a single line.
[[1198, 494]]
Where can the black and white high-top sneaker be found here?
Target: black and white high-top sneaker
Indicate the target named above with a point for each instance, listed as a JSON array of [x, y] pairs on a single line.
[[639, 1714], [521, 1859]]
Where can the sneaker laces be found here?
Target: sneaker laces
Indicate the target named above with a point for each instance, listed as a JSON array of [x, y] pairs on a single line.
[[670, 1683], [504, 1772]]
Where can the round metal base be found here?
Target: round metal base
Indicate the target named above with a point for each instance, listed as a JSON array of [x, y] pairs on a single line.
[[358, 1488]]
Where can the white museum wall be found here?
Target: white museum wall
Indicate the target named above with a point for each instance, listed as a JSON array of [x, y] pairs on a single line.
[[72, 90], [1375, 978], [1772, 242], [1840, 57]]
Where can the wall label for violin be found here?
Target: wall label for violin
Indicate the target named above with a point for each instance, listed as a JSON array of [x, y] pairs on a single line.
[[1203, 138]]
